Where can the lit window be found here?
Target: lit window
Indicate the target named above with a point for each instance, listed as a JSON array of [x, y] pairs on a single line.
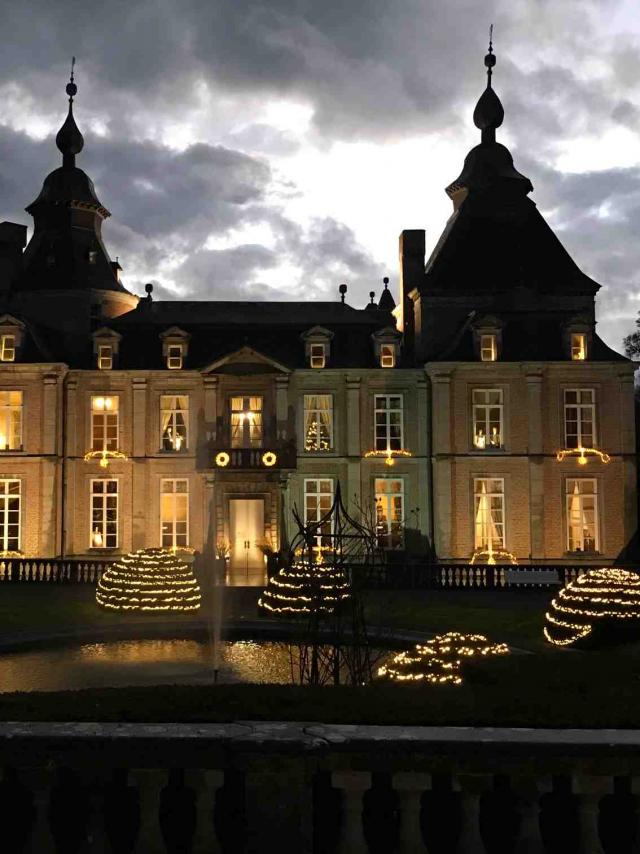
[[10, 515], [174, 421], [10, 420], [104, 423], [579, 418], [318, 422], [582, 515], [317, 355], [104, 514], [488, 348], [8, 348], [388, 422], [93, 256], [487, 418], [389, 495], [578, 346], [174, 357], [246, 422], [105, 357], [387, 356], [488, 513], [174, 513], [318, 498]]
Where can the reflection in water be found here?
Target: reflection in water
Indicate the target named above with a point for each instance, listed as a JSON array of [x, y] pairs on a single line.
[[146, 662]]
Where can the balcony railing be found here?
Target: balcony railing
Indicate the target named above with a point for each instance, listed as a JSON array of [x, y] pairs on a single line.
[[257, 459]]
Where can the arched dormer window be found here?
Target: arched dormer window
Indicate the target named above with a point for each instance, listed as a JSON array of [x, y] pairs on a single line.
[[175, 346], [487, 338], [386, 347], [317, 346]]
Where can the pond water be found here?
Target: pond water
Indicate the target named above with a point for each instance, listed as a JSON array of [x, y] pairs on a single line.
[[143, 662]]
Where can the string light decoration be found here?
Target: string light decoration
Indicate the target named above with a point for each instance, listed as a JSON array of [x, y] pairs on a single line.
[[149, 580], [222, 459], [269, 459], [104, 456], [389, 455], [318, 437], [306, 588], [600, 606], [491, 557], [582, 454], [439, 662]]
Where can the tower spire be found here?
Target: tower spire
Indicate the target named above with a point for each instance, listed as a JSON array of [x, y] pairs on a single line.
[[489, 113], [69, 139]]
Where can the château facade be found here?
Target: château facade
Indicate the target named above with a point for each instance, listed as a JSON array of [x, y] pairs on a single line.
[[481, 416]]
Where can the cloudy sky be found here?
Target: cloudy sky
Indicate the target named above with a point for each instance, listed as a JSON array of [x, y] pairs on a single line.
[[275, 149]]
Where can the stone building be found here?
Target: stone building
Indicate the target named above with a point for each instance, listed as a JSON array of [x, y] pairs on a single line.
[[128, 422]]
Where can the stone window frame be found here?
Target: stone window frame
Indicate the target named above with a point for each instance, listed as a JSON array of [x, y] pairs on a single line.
[[566, 496], [106, 338], [94, 494], [173, 521], [172, 338], [317, 337], [487, 326], [388, 338], [11, 327], [5, 497]]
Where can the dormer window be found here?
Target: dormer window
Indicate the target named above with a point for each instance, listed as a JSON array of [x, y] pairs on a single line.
[[174, 357], [8, 348], [488, 348], [578, 346], [318, 356], [386, 346], [105, 357], [175, 346], [387, 356]]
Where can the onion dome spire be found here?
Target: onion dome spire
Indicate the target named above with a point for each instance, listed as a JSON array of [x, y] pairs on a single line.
[[489, 113], [69, 139]]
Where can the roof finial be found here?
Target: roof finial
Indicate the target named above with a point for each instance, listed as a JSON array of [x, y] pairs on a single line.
[[69, 139], [343, 292], [488, 114]]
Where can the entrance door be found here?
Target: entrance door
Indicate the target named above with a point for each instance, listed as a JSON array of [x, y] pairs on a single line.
[[246, 527]]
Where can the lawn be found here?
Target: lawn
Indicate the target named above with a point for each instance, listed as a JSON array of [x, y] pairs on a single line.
[[542, 686]]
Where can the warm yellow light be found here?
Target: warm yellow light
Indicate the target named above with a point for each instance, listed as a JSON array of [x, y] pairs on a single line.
[[269, 459], [582, 454], [104, 456], [3, 441], [389, 455], [222, 459], [96, 538]]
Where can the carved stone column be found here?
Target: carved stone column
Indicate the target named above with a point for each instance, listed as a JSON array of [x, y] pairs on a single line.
[[353, 784], [590, 790], [529, 791], [150, 783], [471, 787], [534, 379], [49, 414], [410, 787], [206, 784], [139, 419]]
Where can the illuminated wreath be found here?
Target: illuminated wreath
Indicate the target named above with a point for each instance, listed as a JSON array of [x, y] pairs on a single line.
[[222, 459], [601, 606], [269, 459]]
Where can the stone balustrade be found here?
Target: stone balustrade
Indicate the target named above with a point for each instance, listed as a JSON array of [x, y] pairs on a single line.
[[257, 787]]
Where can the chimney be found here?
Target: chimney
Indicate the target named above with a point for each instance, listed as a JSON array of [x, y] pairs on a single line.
[[13, 239], [412, 246]]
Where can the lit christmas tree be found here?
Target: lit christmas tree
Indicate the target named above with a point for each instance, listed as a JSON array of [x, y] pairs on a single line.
[[317, 438], [149, 580], [306, 588]]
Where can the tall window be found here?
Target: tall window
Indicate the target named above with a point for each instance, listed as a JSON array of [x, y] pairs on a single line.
[[104, 423], [10, 420], [105, 357], [174, 513], [488, 513], [246, 422], [318, 498], [104, 513], [579, 417], [389, 494], [388, 422], [487, 418], [582, 515], [488, 348], [578, 346], [8, 348], [318, 422], [9, 515], [174, 421]]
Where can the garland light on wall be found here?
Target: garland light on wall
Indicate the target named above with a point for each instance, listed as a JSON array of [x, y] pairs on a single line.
[[582, 454], [601, 605], [149, 580], [104, 456], [389, 455], [491, 557], [439, 662]]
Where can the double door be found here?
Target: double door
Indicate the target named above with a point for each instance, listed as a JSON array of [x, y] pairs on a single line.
[[246, 528]]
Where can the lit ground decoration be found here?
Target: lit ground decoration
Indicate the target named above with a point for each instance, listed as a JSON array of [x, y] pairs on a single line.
[[439, 662], [601, 606], [149, 580], [305, 588]]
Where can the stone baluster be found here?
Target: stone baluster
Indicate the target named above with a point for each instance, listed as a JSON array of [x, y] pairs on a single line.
[[410, 786], [41, 839], [529, 791], [150, 783], [206, 783], [590, 790], [471, 787], [353, 784]]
